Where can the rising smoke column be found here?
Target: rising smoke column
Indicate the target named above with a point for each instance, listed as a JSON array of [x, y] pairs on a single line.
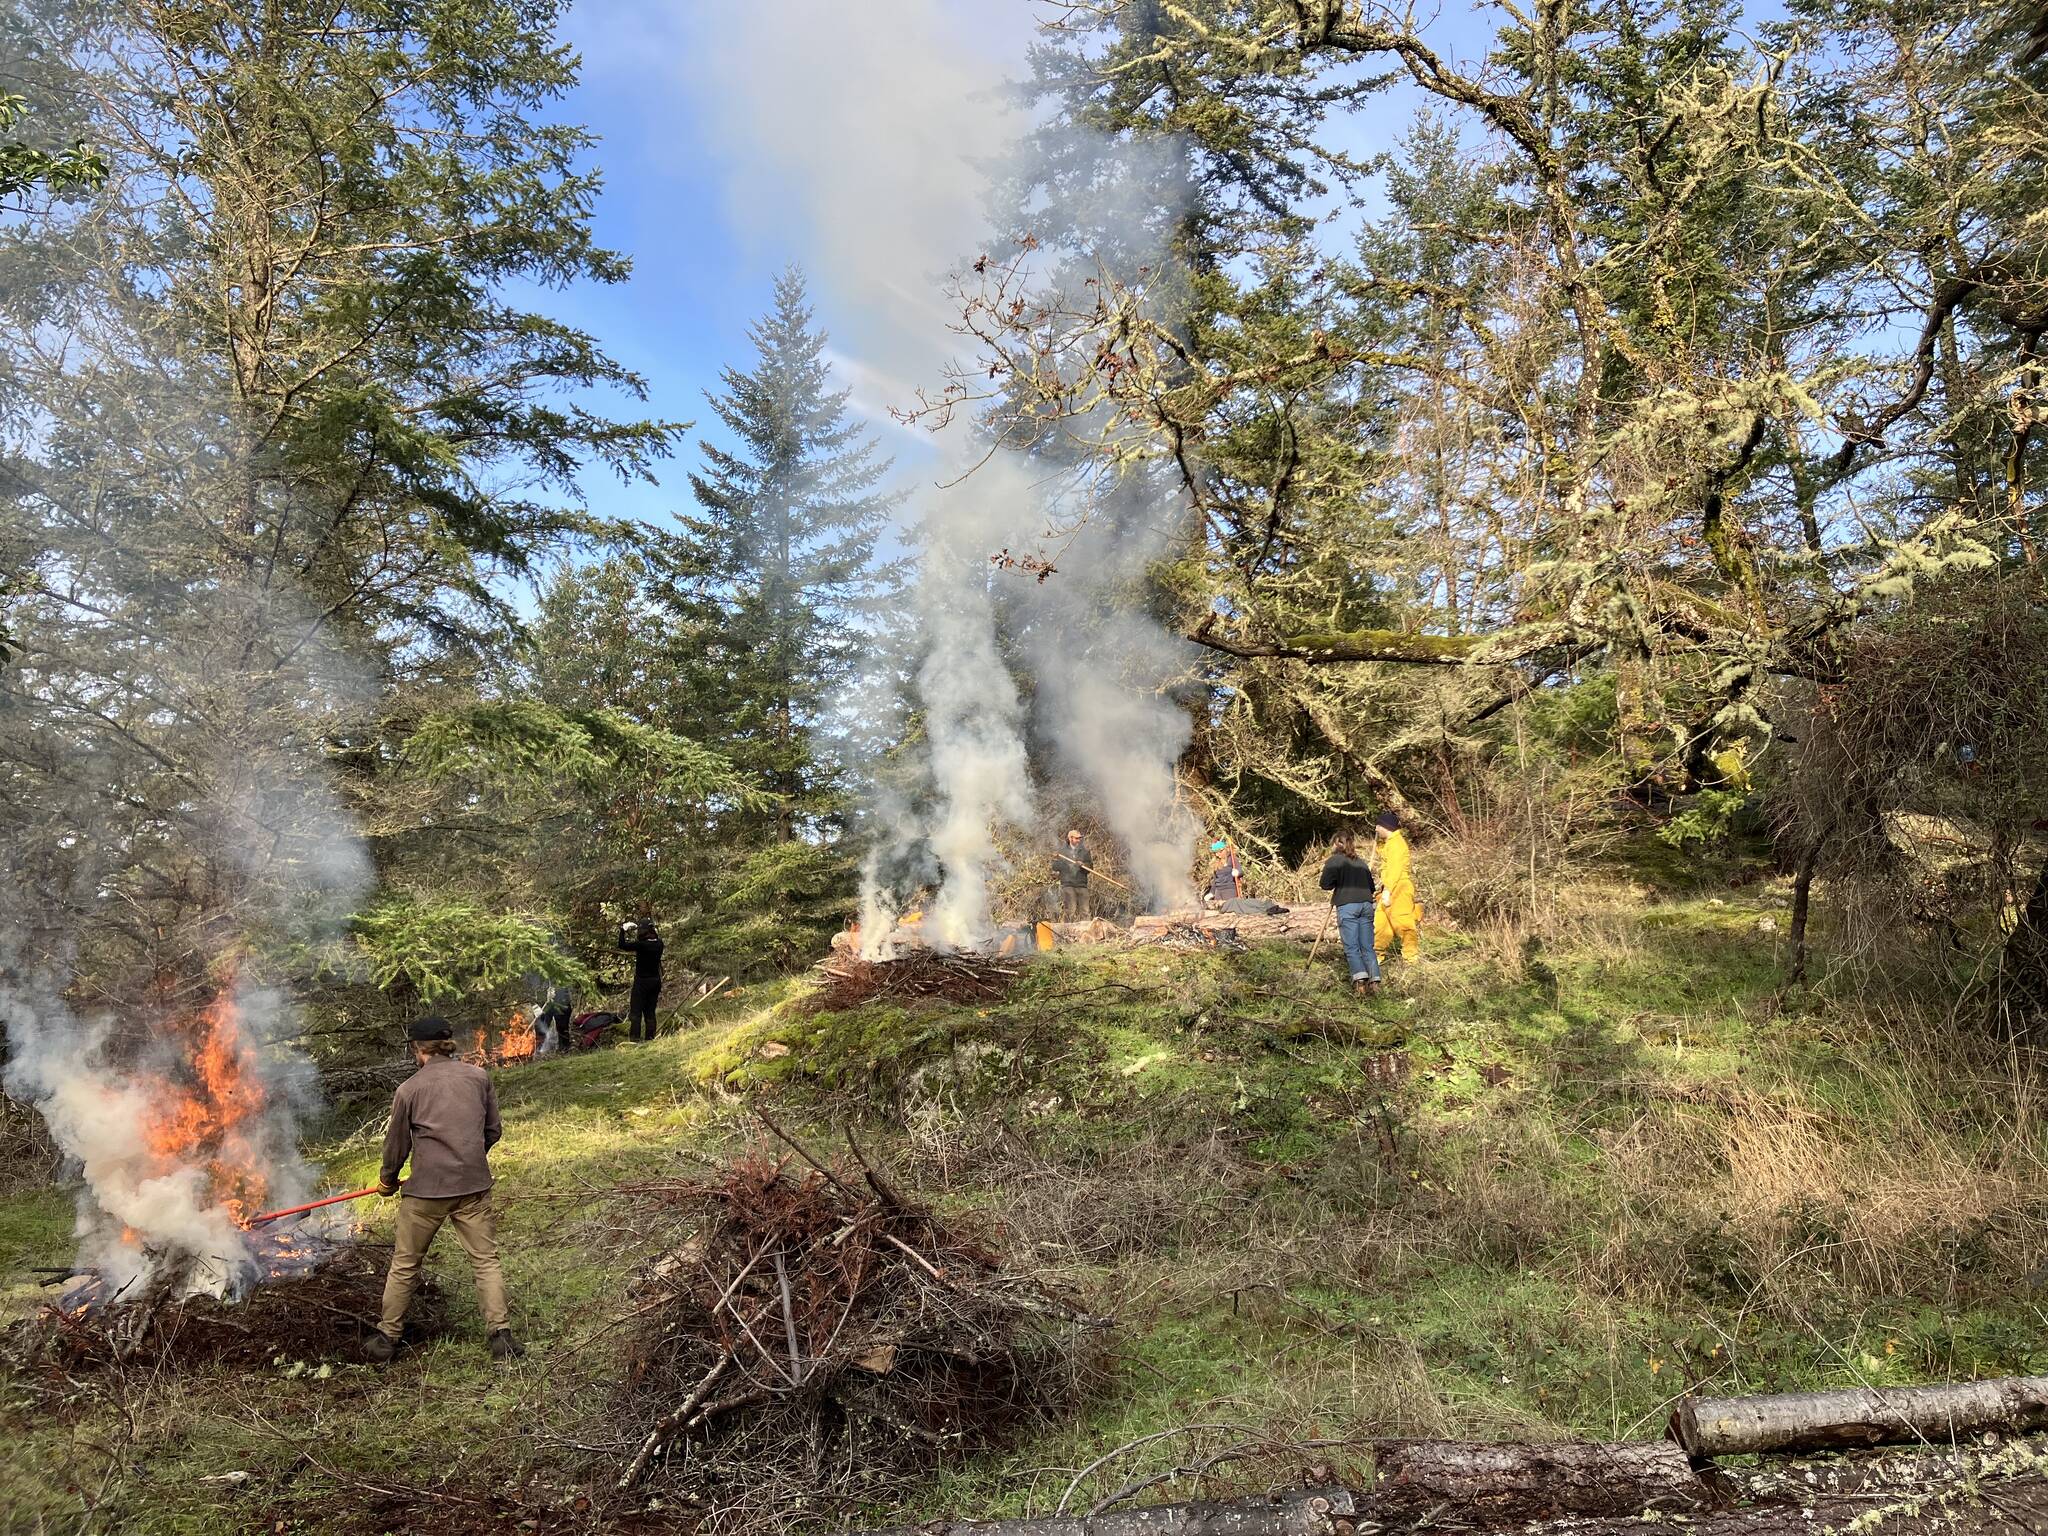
[[882, 130], [1112, 727], [972, 720], [180, 1110]]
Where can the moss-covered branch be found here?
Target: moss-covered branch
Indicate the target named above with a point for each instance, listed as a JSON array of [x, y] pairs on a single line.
[[1320, 646]]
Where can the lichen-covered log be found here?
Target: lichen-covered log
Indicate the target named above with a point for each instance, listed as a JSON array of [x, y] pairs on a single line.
[[1511, 1484], [1814, 1421]]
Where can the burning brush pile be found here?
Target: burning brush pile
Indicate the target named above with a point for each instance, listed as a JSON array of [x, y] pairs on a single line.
[[180, 1144], [322, 1313], [818, 1336]]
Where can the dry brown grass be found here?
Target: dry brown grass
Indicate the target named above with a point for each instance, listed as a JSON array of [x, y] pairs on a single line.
[[1929, 1181]]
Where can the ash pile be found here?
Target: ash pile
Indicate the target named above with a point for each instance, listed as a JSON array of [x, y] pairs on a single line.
[[818, 1337]]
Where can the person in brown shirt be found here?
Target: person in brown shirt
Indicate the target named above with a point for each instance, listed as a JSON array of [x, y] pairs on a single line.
[[445, 1118]]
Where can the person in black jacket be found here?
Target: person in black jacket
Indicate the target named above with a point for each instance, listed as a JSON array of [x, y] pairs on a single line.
[[1348, 879], [641, 940]]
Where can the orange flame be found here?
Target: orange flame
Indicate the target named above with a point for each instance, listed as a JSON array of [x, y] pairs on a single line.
[[214, 1119], [517, 1041]]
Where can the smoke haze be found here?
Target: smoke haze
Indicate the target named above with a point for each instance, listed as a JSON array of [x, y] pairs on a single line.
[[882, 131]]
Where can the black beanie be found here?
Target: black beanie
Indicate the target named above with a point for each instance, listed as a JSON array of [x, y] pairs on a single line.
[[432, 1027], [1389, 821]]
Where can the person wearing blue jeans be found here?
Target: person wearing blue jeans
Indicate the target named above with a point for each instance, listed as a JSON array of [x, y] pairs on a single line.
[[1348, 879]]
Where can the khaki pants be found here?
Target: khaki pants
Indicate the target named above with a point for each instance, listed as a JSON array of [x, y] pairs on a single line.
[[1074, 903], [418, 1221]]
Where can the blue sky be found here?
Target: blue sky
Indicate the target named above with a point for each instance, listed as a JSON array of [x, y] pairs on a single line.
[[724, 134], [705, 235]]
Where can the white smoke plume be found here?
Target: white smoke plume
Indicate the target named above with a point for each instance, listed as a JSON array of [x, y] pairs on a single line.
[[980, 774], [163, 1140], [179, 1111], [1123, 741], [881, 186]]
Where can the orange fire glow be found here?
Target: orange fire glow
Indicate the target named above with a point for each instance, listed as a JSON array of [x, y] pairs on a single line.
[[517, 1041], [213, 1118]]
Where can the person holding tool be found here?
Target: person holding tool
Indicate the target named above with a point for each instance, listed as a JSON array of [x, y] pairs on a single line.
[[1071, 867], [445, 1119], [644, 944], [1348, 879]]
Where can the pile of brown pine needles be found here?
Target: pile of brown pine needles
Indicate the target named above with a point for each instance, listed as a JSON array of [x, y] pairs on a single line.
[[817, 1338], [954, 978]]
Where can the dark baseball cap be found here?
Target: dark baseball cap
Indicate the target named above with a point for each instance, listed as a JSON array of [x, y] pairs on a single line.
[[432, 1027]]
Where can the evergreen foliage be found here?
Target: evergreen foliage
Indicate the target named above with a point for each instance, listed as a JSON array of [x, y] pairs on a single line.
[[782, 568]]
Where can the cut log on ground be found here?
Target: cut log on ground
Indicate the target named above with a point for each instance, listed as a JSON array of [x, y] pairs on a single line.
[[1301, 924], [1096, 930], [1511, 1484], [1815, 1421]]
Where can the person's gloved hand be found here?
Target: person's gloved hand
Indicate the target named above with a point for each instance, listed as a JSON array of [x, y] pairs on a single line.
[[387, 1190]]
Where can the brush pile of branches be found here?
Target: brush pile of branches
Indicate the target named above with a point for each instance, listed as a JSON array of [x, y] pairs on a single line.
[[323, 1314], [818, 1338], [29, 1159], [1192, 937], [955, 978]]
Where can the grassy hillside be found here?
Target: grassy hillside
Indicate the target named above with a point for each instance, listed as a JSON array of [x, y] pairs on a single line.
[[1500, 1199]]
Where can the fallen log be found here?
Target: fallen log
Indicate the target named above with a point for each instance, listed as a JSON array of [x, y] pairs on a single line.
[[1300, 923], [1815, 1421], [1513, 1484]]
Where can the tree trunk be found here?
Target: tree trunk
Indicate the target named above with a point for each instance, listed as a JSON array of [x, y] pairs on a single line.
[[1919, 1496], [1811, 1421], [1513, 1484], [2020, 997], [1802, 897]]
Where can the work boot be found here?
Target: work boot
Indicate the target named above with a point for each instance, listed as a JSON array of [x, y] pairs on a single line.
[[1358, 986], [504, 1347], [378, 1349]]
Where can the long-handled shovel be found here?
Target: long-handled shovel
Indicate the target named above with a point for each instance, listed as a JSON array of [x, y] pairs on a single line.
[[1329, 914], [310, 1205], [1107, 879]]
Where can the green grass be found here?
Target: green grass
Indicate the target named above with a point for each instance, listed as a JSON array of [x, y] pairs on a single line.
[[1466, 1206]]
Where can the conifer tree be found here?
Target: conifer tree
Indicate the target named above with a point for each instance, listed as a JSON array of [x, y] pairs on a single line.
[[783, 568]]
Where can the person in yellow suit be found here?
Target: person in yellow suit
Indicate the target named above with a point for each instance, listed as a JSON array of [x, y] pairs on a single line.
[[1398, 912]]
